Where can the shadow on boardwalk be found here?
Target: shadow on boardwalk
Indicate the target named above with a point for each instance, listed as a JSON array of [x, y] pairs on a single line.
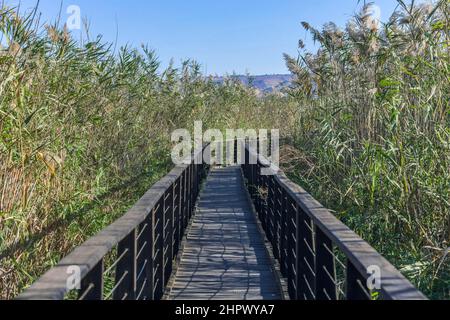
[[225, 256]]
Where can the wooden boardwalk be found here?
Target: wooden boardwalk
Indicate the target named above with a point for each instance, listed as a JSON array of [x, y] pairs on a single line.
[[225, 256]]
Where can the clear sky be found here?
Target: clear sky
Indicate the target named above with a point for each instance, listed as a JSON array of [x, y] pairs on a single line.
[[225, 36]]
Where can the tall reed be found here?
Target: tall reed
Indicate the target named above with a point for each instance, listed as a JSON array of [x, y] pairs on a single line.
[[84, 132], [373, 140]]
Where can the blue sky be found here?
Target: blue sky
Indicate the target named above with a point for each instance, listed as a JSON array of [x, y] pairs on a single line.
[[225, 36]]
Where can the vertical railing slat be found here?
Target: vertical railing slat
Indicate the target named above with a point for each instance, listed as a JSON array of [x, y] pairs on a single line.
[[168, 234], [92, 284], [325, 268], [355, 284], [284, 234], [126, 269], [158, 273], [305, 257], [292, 249], [149, 252]]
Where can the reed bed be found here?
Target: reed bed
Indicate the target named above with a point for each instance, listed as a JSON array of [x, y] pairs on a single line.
[[373, 136], [84, 132]]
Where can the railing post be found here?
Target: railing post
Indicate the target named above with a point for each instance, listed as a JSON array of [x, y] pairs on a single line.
[[198, 181], [299, 250], [270, 210], [246, 159], [355, 284], [144, 261], [255, 181], [185, 202], [92, 284], [325, 268], [265, 204], [176, 216], [269, 144], [148, 253], [126, 269], [305, 257], [276, 219], [235, 146], [188, 195], [182, 206], [284, 233], [194, 182], [251, 178], [258, 190], [158, 248], [173, 250], [292, 249], [168, 235], [191, 192], [243, 164]]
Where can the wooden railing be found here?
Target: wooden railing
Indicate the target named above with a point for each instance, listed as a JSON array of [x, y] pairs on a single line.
[[321, 257], [132, 259]]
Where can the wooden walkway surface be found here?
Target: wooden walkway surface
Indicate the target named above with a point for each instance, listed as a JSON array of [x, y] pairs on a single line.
[[224, 257]]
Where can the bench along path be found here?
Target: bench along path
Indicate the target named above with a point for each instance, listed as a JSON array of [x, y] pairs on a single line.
[[225, 257]]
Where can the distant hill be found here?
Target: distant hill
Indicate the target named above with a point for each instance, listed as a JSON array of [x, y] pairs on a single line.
[[266, 84]]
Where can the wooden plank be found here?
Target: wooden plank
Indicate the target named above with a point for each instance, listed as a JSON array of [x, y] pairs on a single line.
[[249, 283], [248, 297], [225, 257], [219, 290]]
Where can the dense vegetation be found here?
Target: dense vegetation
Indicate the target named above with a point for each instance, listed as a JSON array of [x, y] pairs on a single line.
[[85, 130], [373, 136]]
